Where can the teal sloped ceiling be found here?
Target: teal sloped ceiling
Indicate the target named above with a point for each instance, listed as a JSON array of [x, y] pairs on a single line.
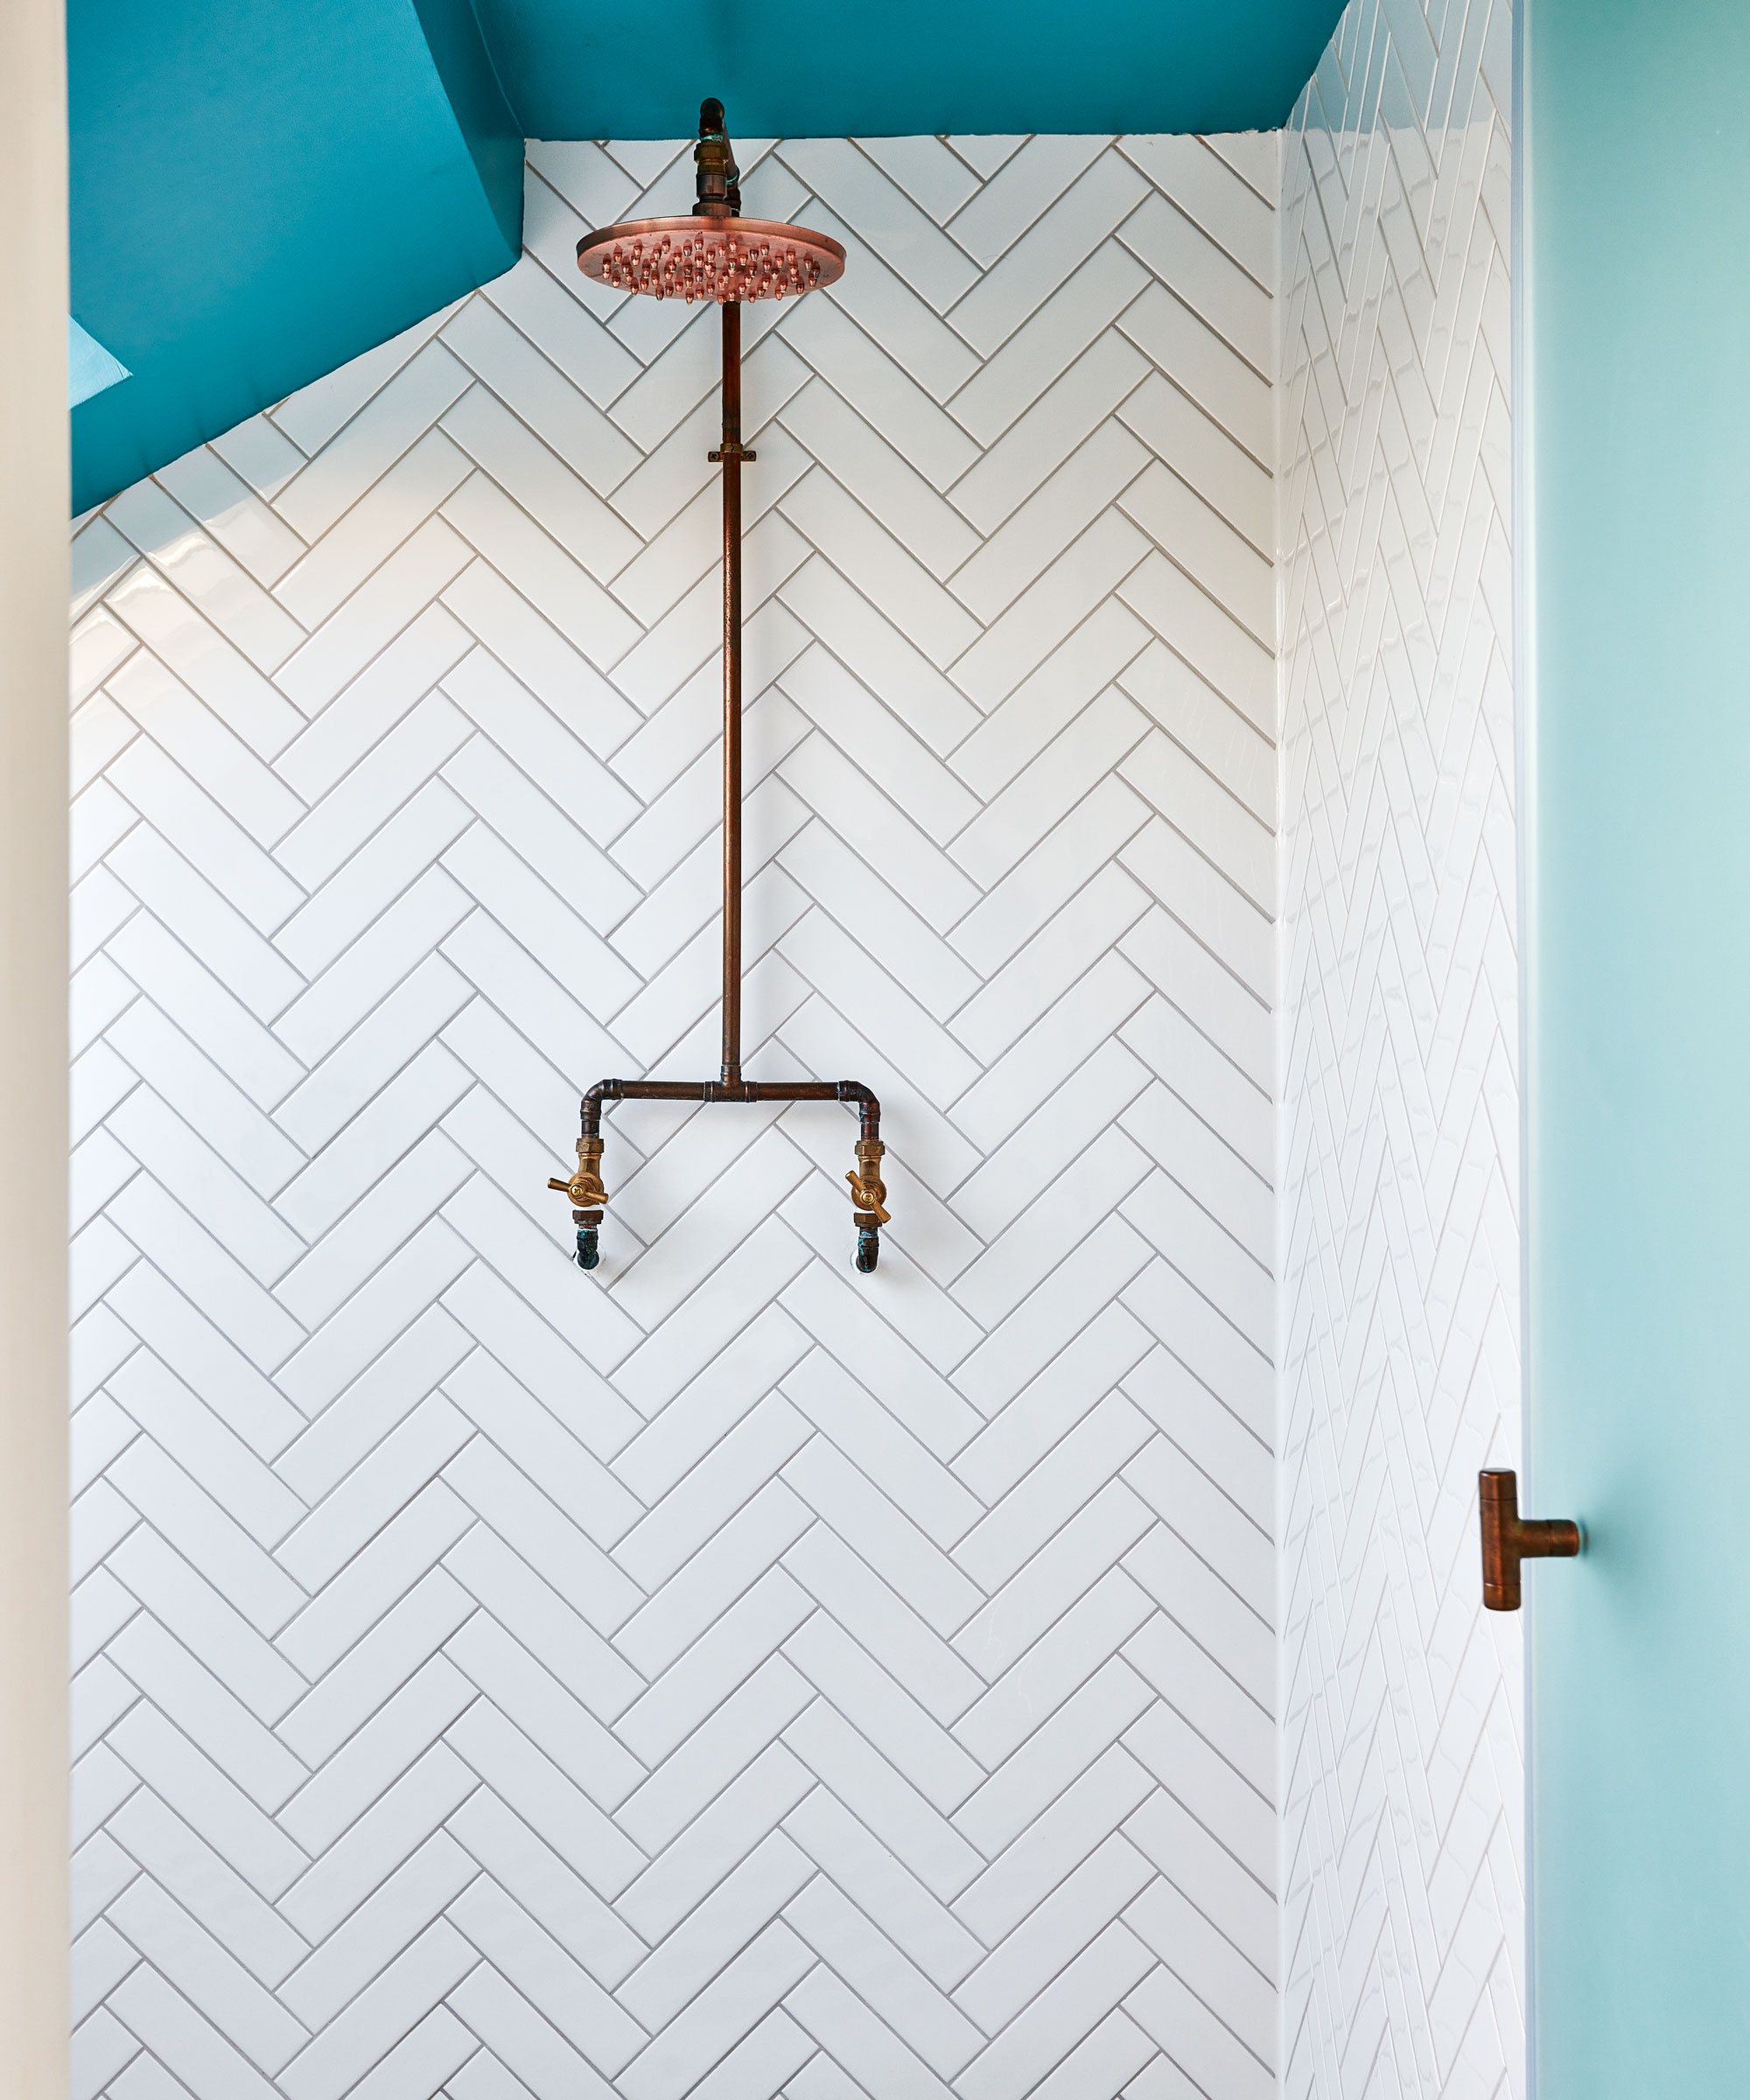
[[262, 190]]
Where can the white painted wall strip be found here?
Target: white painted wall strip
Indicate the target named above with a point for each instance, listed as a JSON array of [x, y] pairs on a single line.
[[33, 503]]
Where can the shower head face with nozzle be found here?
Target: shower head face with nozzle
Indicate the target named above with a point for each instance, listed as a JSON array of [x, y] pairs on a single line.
[[713, 258], [716, 253]]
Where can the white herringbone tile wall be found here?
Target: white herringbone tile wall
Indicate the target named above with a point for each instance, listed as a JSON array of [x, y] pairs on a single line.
[[1402, 1768], [721, 1675]]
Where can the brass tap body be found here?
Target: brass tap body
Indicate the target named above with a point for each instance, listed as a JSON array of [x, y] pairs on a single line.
[[584, 1188], [868, 1190]]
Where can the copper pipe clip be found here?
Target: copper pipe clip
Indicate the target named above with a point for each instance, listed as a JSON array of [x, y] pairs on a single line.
[[868, 1190], [1507, 1538], [584, 1188], [732, 448]]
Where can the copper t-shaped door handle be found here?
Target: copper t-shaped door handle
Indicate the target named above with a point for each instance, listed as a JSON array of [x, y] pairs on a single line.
[[1507, 1538]]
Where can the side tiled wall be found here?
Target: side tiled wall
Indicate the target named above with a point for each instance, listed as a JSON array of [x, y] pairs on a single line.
[[718, 1675], [1401, 1776]]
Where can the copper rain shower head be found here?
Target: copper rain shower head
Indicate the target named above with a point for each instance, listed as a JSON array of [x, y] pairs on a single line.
[[716, 253]]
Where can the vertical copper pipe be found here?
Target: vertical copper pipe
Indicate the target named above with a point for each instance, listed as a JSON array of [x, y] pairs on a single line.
[[731, 690]]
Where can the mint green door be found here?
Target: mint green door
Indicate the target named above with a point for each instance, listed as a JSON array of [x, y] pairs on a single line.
[[1635, 546]]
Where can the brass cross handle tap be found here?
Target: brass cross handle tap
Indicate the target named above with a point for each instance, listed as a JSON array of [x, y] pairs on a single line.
[[868, 1190], [1507, 1538], [584, 1188]]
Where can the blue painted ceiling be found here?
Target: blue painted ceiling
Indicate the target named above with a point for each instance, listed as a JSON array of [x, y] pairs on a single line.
[[637, 69], [262, 189]]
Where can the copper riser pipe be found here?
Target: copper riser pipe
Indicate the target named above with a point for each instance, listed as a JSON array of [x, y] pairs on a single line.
[[731, 455]]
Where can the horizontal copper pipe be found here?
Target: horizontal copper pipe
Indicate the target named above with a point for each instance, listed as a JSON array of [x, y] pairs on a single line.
[[846, 1090]]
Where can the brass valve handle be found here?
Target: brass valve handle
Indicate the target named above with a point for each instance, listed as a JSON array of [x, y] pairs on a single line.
[[868, 1190], [584, 1188]]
